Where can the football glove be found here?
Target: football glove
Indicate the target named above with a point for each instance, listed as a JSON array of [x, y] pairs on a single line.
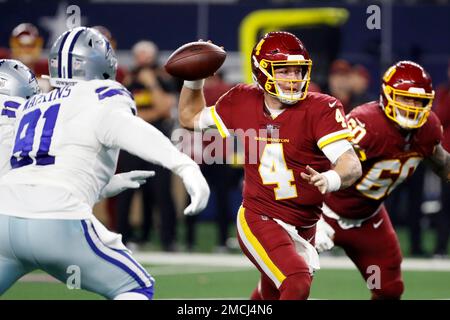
[[197, 187], [324, 236], [127, 180]]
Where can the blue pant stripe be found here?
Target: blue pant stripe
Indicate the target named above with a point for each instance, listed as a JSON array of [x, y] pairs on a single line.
[[108, 258]]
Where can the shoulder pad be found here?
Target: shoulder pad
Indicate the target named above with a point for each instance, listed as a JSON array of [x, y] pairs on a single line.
[[104, 90]]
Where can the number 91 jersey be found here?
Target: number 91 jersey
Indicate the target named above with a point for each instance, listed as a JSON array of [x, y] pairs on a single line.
[[278, 150], [388, 156], [62, 144]]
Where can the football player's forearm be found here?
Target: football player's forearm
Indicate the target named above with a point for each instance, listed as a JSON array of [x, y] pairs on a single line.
[[349, 168], [134, 135], [440, 163], [190, 104]]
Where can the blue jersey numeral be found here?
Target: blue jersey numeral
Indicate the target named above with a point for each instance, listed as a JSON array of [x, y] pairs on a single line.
[[25, 138]]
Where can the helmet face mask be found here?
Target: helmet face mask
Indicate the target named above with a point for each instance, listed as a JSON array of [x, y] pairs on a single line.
[[81, 54], [17, 80], [407, 115], [403, 82], [281, 50]]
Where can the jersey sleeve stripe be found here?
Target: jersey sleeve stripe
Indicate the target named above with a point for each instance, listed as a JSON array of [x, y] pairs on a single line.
[[224, 133], [12, 104], [257, 250], [332, 137], [106, 92], [8, 113]]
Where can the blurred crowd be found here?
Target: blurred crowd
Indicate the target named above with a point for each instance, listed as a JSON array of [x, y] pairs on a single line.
[[156, 93]]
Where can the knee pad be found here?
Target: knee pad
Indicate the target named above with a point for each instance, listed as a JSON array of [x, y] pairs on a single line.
[[389, 291], [296, 287]]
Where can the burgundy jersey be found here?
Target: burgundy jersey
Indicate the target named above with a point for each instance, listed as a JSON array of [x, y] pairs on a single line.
[[278, 150], [388, 157], [442, 104]]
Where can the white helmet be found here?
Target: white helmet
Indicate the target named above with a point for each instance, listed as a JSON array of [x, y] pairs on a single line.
[[81, 54]]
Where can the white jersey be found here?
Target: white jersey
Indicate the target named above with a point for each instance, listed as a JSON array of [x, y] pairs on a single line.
[[66, 147], [8, 109]]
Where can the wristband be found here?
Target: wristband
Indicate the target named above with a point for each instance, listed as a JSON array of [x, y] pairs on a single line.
[[334, 180], [194, 85]]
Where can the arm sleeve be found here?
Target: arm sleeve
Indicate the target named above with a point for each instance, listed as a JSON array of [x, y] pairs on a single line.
[[332, 125], [335, 149], [118, 128], [210, 119]]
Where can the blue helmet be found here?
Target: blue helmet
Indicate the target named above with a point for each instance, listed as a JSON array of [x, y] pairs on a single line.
[[81, 54], [17, 80]]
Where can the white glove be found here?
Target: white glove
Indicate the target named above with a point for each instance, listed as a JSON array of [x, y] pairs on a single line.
[[324, 236], [122, 181], [197, 187]]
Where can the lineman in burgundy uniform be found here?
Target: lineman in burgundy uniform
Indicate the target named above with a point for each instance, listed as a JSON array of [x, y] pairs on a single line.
[[392, 137]]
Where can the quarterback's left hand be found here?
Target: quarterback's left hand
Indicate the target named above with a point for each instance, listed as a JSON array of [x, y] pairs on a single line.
[[316, 178], [128, 180]]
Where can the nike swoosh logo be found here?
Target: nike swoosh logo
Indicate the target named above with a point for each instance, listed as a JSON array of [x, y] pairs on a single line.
[[331, 105], [376, 225]]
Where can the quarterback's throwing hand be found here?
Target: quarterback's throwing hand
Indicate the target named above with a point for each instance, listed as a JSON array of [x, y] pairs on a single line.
[[315, 178]]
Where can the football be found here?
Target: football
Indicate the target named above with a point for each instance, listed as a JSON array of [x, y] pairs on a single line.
[[195, 60]]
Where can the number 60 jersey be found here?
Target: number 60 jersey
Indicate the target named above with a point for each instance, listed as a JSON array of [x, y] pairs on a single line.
[[64, 150], [388, 156]]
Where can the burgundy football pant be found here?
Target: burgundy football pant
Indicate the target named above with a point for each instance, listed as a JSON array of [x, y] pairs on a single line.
[[285, 275], [373, 246]]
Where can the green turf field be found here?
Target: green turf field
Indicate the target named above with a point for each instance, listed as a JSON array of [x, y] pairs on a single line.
[[209, 282], [200, 282]]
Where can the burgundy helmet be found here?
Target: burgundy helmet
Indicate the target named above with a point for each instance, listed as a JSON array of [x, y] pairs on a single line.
[[409, 80], [280, 49]]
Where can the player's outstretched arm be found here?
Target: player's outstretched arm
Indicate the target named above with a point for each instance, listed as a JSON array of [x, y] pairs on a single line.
[[440, 162], [346, 170], [191, 103], [120, 129]]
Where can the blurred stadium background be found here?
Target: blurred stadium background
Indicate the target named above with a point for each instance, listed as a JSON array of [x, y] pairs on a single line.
[[349, 50]]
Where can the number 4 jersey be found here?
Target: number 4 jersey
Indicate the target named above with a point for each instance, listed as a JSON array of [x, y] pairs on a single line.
[[388, 156], [278, 150]]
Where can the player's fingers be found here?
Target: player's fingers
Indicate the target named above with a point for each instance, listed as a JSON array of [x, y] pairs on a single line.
[[311, 170], [319, 184], [142, 174], [305, 176], [133, 185], [188, 210], [317, 177], [323, 189]]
